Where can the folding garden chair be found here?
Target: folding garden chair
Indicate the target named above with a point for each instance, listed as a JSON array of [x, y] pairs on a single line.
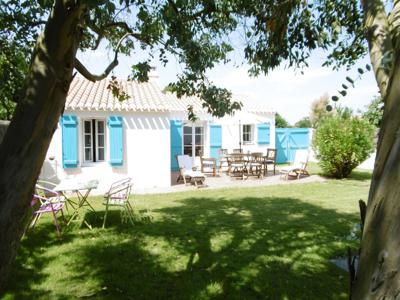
[[118, 195], [46, 201]]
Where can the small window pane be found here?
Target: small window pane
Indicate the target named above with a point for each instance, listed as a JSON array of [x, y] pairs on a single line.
[[187, 151], [100, 140], [88, 154], [101, 154], [187, 139], [88, 127], [100, 127], [199, 150], [199, 139], [88, 141], [187, 129], [199, 130]]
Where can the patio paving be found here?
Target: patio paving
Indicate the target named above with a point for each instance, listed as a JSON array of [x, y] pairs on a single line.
[[224, 181]]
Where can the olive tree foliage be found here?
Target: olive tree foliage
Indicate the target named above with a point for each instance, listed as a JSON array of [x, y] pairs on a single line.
[[13, 67], [16, 43], [200, 33]]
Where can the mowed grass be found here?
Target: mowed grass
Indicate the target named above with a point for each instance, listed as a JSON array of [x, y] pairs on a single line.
[[270, 242]]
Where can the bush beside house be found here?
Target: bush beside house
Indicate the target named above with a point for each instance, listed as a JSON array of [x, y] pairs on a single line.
[[341, 144]]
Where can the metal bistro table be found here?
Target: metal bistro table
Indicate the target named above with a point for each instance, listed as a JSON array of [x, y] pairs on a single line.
[[82, 191]]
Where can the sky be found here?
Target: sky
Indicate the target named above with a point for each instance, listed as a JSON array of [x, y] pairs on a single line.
[[285, 91]]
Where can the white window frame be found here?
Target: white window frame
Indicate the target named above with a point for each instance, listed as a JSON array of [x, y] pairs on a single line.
[[250, 133], [97, 120], [193, 137]]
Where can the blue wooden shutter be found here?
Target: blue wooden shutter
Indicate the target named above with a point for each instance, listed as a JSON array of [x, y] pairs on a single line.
[[215, 140], [176, 142], [263, 133], [69, 126], [115, 128]]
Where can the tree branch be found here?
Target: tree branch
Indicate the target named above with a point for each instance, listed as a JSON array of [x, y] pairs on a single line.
[[102, 32], [92, 77], [195, 15], [379, 41]]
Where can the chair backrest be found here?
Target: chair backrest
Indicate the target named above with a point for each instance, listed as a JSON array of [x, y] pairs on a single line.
[[237, 150], [120, 189], [257, 156], [184, 162], [42, 196], [271, 154], [237, 157], [301, 158]]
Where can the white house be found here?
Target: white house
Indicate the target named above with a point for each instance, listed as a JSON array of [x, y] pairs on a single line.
[[99, 137]]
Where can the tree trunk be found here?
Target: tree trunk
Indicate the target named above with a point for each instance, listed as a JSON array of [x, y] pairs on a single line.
[[42, 101], [378, 275]]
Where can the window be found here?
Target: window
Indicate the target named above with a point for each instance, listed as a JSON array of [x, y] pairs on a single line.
[[247, 133], [193, 140], [94, 137]]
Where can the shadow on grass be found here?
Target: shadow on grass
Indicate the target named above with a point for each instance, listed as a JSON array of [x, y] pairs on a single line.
[[245, 248], [361, 175]]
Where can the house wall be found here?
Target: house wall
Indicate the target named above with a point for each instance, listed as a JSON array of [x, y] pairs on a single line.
[[231, 138], [230, 132], [147, 148], [146, 152]]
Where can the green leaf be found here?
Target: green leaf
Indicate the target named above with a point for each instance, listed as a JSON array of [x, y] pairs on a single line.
[[343, 93], [345, 86], [360, 70], [329, 107], [350, 80], [368, 67]]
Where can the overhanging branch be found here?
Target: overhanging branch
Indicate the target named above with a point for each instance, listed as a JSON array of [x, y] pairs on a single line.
[[102, 32], [92, 77]]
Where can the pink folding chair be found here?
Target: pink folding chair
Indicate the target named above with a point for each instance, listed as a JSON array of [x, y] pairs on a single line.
[[46, 201]]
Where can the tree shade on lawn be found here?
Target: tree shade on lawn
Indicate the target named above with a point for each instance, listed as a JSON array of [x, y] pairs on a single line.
[[250, 243]]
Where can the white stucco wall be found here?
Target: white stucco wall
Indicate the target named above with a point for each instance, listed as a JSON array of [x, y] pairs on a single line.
[[146, 153], [230, 135]]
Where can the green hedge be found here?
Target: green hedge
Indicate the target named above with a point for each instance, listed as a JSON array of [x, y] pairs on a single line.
[[341, 144]]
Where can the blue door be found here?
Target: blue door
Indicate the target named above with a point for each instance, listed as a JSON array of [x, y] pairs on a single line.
[[289, 140]]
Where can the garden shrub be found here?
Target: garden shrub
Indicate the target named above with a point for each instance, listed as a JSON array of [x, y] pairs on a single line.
[[341, 144]]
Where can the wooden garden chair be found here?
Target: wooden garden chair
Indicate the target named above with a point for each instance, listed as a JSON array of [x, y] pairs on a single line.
[[256, 164], [269, 159], [298, 167], [187, 172], [237, 167]]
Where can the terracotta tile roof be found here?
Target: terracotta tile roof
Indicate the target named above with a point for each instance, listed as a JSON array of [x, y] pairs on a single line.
[[94, 96]]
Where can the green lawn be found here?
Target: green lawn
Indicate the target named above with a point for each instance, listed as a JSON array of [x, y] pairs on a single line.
[[270, 242]]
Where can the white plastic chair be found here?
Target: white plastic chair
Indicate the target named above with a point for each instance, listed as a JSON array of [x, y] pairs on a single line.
[[188, 173], [298, 167]]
